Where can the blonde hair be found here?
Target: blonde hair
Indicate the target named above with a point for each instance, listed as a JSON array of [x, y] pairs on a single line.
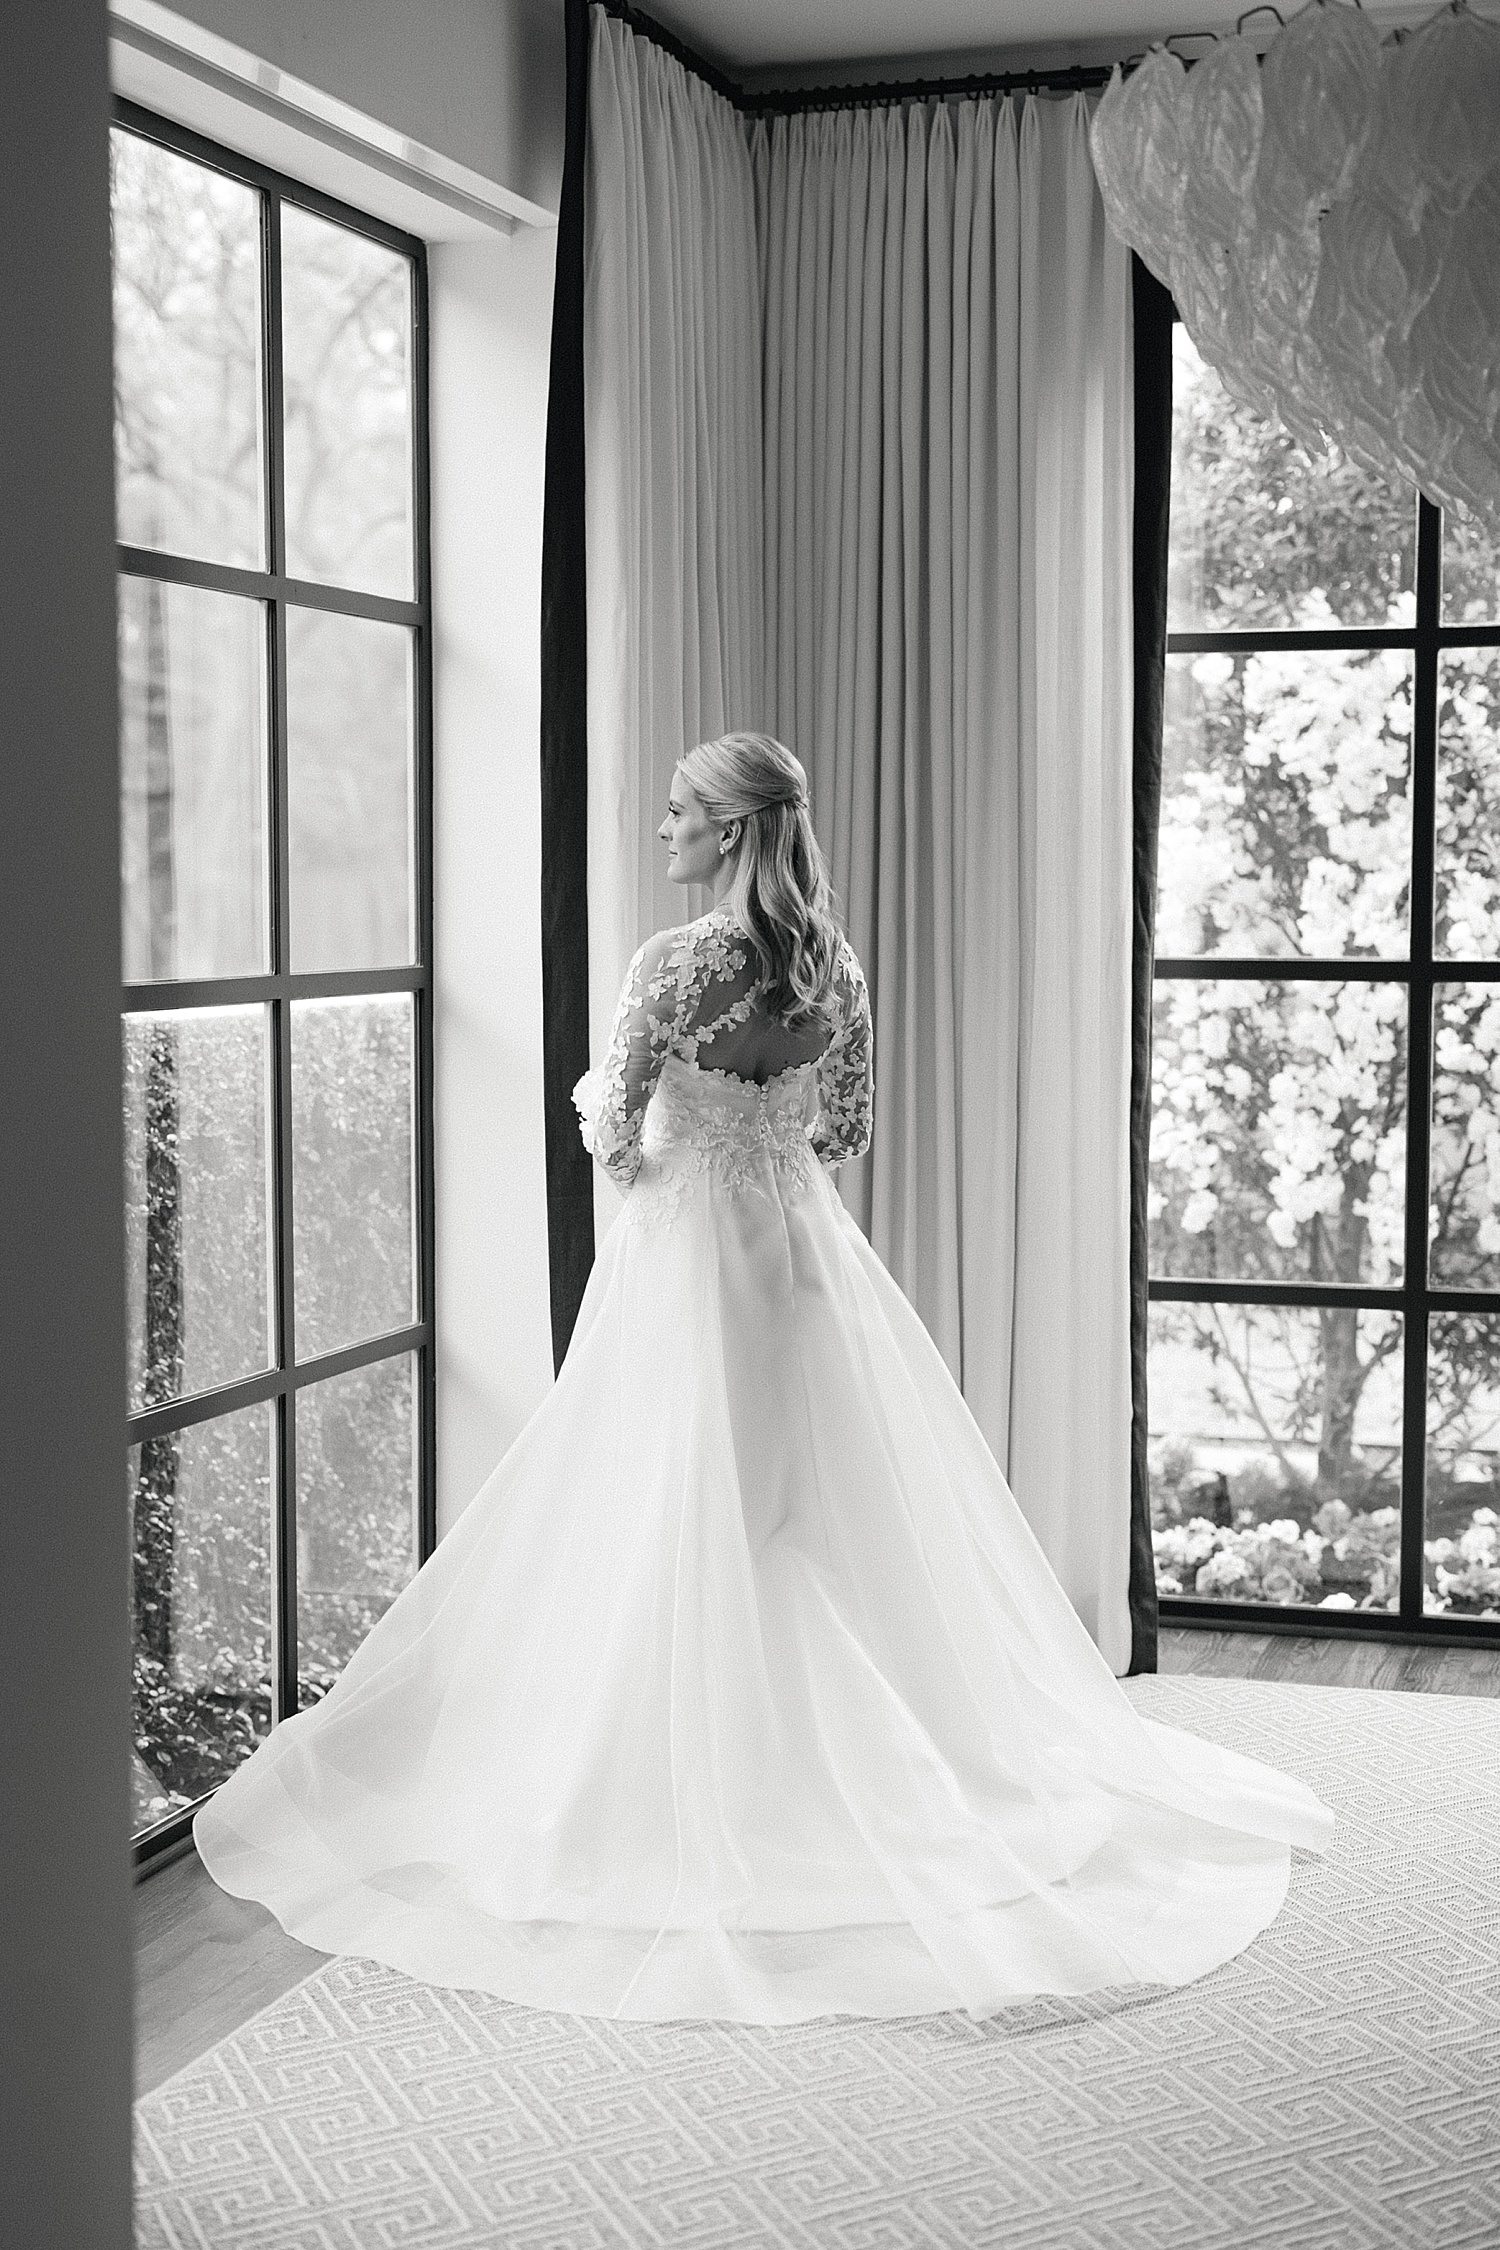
[[781, 892]]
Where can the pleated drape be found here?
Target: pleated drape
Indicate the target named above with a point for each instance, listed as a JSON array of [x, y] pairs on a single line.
[[947, 570], [859, 432]]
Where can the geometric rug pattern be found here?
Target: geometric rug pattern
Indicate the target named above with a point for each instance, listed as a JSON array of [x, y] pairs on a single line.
[[1336, 2087]]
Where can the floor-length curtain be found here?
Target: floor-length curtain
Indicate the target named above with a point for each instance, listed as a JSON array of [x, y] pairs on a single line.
[[858, 441], [672, 345], [948, 622]]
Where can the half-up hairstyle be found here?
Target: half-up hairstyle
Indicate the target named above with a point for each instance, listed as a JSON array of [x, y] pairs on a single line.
[[780, 890]]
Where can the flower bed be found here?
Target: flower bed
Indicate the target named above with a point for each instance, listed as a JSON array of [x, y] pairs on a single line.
[[1341, 1560]]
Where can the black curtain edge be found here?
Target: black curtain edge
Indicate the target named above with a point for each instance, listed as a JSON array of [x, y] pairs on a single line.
[[564, 733], [1153, 316]]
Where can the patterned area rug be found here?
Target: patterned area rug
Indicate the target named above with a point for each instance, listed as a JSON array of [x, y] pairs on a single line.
[[1337, 2087]]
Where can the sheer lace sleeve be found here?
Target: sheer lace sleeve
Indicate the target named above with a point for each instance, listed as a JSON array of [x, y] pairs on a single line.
[[846, 1070], [611, 1100]]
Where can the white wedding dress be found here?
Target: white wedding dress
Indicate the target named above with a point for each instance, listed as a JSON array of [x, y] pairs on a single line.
[[742, 1689]]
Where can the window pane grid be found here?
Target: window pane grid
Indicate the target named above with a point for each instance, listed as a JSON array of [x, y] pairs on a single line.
[[312, 984], [253, 1390], [1318, 967], [382, 1334], [1295, 637], [263, 585], [1448, 1586]]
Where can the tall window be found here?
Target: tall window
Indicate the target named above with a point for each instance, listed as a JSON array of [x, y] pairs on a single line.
[[274, 687], [1325, 1149], [1325, 1105]]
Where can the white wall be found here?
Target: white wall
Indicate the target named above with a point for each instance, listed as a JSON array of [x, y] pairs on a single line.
[[491, 315], [481, 81], [64, 1623]]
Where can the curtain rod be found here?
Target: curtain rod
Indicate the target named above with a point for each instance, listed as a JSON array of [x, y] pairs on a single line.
[[637, 20], [774, 101]]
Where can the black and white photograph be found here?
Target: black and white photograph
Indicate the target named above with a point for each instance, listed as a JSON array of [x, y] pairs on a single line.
[[752, 1127]]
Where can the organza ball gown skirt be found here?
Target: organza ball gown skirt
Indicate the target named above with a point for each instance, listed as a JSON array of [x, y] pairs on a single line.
[[742, 1689]]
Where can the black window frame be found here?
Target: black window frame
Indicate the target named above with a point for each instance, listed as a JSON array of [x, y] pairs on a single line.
[[1414, 1300], [279, 987]]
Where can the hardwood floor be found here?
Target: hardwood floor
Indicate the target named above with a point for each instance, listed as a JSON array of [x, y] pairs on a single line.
[[206, 1962], [1428, 1670]]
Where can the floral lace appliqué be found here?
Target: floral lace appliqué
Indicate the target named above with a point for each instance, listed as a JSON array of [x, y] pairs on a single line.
[[708, 1125], [656, 1133]]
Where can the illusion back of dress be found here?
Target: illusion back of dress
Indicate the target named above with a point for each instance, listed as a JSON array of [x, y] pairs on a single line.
[[759, 1047]]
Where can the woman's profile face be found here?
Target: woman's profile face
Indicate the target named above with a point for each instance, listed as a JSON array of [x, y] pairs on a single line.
[[691, 838]]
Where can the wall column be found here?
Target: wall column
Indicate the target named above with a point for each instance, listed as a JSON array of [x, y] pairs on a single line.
[[65, 1976]]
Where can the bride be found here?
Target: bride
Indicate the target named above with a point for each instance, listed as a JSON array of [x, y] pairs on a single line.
[[742, 1689]]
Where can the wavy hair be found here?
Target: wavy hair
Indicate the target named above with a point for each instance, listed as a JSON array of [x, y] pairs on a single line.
[[780, 890]]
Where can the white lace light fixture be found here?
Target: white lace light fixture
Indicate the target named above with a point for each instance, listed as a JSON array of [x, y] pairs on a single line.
[[1328, 221]]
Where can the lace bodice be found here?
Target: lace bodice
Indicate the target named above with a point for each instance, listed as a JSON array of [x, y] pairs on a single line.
[[687, 989]]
